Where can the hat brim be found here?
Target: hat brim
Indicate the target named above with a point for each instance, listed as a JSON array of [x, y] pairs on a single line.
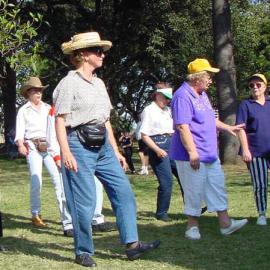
[[259, 76], [26, 87], [167, 95], [211, 69], [69, 48]]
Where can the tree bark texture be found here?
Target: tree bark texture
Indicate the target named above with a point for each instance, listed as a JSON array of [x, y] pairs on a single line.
[[9, 100], [226, 78]]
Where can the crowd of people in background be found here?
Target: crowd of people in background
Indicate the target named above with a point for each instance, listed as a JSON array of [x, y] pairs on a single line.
[[176, 135]]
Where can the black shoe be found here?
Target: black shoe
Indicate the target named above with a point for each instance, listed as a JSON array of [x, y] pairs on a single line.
[[68, 233], [164, 218], [85, 260], [203, 210], [104, 227], [137, 252]]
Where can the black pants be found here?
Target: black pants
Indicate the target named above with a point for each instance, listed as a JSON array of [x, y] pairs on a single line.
[[128, 157]]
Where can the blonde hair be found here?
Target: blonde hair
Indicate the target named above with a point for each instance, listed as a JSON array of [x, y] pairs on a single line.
[[76, 58]]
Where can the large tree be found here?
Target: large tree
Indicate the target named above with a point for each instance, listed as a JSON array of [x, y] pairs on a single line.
[[226, 78], [16, 52]]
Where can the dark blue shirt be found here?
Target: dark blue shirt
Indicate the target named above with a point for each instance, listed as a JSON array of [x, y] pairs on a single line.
[[257, 120]]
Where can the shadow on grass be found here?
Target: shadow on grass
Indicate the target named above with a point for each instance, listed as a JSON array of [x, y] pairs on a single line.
[[212, 252], [25, 246], [15, 222]]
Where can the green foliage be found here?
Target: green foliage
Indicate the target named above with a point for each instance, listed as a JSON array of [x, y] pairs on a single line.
[[17, 44], [251, 30]]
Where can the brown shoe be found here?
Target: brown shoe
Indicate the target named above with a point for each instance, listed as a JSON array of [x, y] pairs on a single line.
[[37, 221]]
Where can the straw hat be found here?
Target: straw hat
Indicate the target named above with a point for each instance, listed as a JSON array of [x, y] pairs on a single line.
[[199, 65], [85, 40], [32, 82]]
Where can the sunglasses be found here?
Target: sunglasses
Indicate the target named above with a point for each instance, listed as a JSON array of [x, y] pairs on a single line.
[[98, 51], [258, 85]]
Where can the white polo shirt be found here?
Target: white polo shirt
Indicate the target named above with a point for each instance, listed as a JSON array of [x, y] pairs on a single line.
[[156, 121], [32, 123]]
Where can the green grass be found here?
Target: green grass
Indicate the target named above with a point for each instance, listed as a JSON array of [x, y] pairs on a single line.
[[31, 248]]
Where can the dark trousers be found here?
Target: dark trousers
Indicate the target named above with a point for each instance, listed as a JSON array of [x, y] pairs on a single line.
[[128, 157], [164, 168]]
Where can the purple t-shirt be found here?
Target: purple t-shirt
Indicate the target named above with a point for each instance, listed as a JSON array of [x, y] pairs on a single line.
[[197, 112]]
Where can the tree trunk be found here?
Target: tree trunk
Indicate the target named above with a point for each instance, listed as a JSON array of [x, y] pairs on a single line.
[[226, 78], [9, 101]]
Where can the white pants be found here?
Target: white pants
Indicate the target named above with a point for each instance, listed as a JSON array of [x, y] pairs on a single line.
[[98, 217], [35, 160], [204, 185]]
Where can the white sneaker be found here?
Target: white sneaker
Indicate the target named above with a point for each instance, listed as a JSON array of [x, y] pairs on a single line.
[[235, 226], [193, 233], [261, 220], [141, 172]]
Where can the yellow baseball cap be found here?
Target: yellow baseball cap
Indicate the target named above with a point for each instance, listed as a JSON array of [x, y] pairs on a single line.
[[199, 65], [260, 76]]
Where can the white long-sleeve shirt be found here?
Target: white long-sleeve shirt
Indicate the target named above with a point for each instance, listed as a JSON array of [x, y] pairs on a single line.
[[53, 147], [31, 123]]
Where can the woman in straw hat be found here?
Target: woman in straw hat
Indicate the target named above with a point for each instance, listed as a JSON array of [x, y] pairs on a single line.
[[255, 144], [194, 147], [31, 127], [89, 148]]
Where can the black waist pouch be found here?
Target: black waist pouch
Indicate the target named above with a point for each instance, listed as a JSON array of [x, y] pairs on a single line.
[[91, 135]]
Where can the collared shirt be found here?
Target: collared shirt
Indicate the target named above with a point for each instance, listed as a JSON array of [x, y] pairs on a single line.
[[256, 118], [31, 122], [82, 101], [156, 121], [197, 112]]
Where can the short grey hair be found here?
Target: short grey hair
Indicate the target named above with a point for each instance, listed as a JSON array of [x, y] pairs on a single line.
[[196, 76]]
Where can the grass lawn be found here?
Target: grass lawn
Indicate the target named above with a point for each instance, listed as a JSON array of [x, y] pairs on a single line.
[[32, 248]]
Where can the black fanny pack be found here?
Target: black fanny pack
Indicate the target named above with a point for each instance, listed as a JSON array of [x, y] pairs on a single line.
[[91, 135]]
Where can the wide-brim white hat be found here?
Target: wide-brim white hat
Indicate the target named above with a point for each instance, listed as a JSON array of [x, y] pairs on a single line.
[[85, 40]]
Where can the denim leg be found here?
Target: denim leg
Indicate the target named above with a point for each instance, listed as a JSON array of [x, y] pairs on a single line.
[[34, 160], [80, 193], [175, 173], [163, 172], [117, 186]]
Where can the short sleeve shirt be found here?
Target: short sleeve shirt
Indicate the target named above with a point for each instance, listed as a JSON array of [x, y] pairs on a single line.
[[156, 121], [256, 118], [198, 114], [82, 101]]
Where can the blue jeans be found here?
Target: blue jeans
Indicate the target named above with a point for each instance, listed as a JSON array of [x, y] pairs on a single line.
[[81, 193], [162, 168]]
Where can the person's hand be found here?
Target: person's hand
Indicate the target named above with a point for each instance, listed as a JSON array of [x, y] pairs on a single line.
[[69, 161], [194, 160], [161, 153], [23, 150], [58, 163], [234, 129], [122, 161], [246, 156]]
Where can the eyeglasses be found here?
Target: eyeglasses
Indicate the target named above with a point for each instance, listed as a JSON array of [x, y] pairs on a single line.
[[96, 50], [258, 85]]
